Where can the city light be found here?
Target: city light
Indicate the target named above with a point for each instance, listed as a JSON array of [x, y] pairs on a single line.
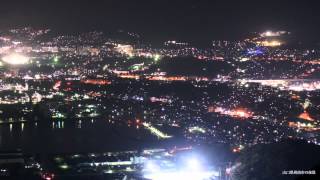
[[64, 166], [191, 169], [125, 49], [174, 175], [268, 33], [273, 33], [306, 116], [177, 102], [156, 57], [15, 59], [241, 113], [159, 91], [151, 166], [273, 43], [193, 164], [156, 131], [56, 59], [197, 129]]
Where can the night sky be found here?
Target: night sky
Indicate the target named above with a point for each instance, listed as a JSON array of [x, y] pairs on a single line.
[[167, 19]]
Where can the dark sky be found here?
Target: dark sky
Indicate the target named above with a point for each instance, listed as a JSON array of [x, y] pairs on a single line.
[[163, 19]]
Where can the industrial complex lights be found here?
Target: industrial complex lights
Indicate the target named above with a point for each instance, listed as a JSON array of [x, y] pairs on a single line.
[[192, 169], [15, 59]]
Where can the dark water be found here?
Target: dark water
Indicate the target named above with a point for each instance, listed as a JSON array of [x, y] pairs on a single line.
[[77, 136]]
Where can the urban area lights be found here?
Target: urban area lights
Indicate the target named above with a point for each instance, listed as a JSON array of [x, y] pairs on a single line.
[[190, 168], [164, 94], [15, 59]]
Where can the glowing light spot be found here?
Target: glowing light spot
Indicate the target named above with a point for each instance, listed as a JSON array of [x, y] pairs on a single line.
[[306, 116], [196, 129], [15, 59], [155, 131], [241, 113], [193, 164], [268, 33], [64, 166], [56, 59], [157, 57], [270, 43]]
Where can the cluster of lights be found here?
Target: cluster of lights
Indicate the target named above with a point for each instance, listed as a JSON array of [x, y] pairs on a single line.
[[237, 113], [197, 129], [191, 169], [273, 34], [155, 131], [306, 116], [274, 43], [303, 126], [15, 59], [287, 84]]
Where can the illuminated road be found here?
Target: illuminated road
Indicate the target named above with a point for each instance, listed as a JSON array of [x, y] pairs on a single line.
[[155, 131]]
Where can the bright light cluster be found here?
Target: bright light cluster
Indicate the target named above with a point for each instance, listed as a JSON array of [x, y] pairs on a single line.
[[237, 113], [292, 85], [155, 131], [15, 59], [197, 129], [174, 175], [273, 34], [192, 169], [274, 43]]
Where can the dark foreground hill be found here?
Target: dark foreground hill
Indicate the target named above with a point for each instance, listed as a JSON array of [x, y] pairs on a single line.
[[283, 160]]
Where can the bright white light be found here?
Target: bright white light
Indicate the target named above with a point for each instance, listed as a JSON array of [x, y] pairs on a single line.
[[15, 59], [268, 33], [156, 57], [190, 169], [185, 175], [151, 166], [193, 164]]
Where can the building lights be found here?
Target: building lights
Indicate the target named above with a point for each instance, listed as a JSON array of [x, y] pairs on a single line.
[[15, 59]]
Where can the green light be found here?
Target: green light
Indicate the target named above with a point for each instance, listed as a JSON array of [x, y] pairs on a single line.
[[136, 67], [155, 131], [58, 159], [64, 166], [156, 57], [56, 59]]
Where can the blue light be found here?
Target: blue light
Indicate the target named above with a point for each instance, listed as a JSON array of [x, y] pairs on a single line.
[[257, 51]]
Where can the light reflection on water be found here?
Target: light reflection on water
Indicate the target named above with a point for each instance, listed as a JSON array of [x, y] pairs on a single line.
[[73, 136]]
